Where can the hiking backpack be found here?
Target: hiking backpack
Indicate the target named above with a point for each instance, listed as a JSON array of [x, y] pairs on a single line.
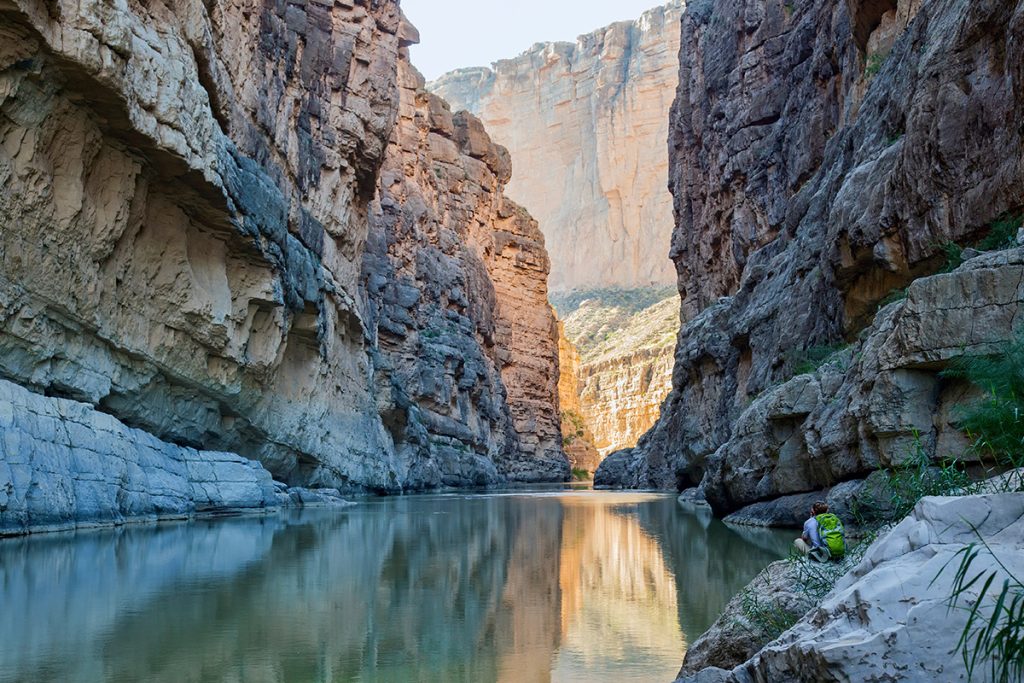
[[830, 528]]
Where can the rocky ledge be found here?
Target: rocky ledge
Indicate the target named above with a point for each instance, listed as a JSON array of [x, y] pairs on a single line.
[[64, 465], [889, 618]]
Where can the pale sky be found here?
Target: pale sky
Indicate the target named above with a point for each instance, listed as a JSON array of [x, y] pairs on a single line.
[[458, 33]]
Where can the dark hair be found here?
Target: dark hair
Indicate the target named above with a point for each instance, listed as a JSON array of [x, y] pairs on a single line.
[[820, 507]]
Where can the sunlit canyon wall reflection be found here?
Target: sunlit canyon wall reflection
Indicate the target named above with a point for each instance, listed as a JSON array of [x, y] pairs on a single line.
[[519, 587]]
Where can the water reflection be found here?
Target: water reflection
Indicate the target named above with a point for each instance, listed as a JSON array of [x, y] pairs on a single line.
[[564, 586]]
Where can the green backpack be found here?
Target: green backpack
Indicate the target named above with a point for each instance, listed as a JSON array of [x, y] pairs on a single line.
[[830, 528]]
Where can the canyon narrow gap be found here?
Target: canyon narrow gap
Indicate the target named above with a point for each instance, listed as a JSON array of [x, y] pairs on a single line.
[[423, 340]]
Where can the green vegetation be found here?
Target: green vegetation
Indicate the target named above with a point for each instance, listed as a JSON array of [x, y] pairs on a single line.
[[576, 424], [954, 256], [629, 300], [892, 139], [995, 423], [892, 297], [1002, 233], [580, 474], [768, 617], [874, 64], [994, 638], [610, 323], [902, 487], [805, 361]]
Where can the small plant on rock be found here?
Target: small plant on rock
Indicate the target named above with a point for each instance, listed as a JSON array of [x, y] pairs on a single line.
[[767, 618], [809, 360], [1002, 233], [874, 65], [993, 636], [995, 423]]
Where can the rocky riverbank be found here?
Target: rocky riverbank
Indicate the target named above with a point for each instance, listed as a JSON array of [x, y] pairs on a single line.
[[888, 618]]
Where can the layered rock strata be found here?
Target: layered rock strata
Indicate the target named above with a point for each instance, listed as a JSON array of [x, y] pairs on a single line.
[[64, 465], [821, 154], [586, 124], [186, 205], [623, 342], [870, 626], [455, 276], [185, 200], [577, 439]]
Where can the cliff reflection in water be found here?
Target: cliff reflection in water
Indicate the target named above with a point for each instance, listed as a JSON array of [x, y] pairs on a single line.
[[527, 587]]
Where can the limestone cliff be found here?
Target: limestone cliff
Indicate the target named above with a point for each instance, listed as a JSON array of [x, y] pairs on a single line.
[[821, 155], [586, 124], [577, 439], [456, 282], [185, 203], [623, 370]]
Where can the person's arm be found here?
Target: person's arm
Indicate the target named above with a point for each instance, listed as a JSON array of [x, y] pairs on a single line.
[[815, 534]]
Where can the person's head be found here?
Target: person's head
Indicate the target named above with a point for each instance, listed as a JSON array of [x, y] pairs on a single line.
[[819, 508]]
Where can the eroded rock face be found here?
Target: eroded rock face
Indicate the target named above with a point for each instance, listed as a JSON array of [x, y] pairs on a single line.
[[889, 618], [186, 207], [586, 124], [455, 276], [577, 439], [811, 179], [184, 198], [64, 465]]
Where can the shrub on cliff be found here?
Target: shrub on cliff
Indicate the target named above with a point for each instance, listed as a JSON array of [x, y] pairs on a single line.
[[995, 423]]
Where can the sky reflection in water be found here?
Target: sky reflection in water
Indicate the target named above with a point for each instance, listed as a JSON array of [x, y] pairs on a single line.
[[554, 586]]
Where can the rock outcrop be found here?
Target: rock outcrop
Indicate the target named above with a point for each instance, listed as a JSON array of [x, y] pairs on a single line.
[[185, 198], [889, 618], [186, 207], [625, 340], [64, 465], [586, 124], [577, 439], [821, 154], [455, 276]]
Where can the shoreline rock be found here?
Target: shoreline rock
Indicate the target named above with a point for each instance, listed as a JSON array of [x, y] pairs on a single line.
[[888, 617], [64, 465]]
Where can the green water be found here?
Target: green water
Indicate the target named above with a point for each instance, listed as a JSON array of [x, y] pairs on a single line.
[[546, 585]]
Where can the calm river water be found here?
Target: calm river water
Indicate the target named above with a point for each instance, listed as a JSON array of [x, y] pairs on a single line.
[[518, 586]]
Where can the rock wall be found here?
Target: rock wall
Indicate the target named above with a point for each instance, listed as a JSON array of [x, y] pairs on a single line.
[[625, 341], [186, 207], [455, 276], [577, 439], [821, 154], [586, 124], [185, 201]]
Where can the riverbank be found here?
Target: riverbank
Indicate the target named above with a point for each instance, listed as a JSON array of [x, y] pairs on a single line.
[[885, 613]]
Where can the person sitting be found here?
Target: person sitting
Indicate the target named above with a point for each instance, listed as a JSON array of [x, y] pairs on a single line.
[[823, 537]]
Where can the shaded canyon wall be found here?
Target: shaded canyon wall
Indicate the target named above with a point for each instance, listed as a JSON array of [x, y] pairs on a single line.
[[821, 155], [186, 206]]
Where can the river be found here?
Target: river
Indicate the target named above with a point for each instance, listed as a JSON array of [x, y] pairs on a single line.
[[553, 584]]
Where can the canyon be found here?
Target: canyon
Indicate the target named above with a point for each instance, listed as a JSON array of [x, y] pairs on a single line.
[[734, 250], [228, 250], [586, 124], [784, 249]]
